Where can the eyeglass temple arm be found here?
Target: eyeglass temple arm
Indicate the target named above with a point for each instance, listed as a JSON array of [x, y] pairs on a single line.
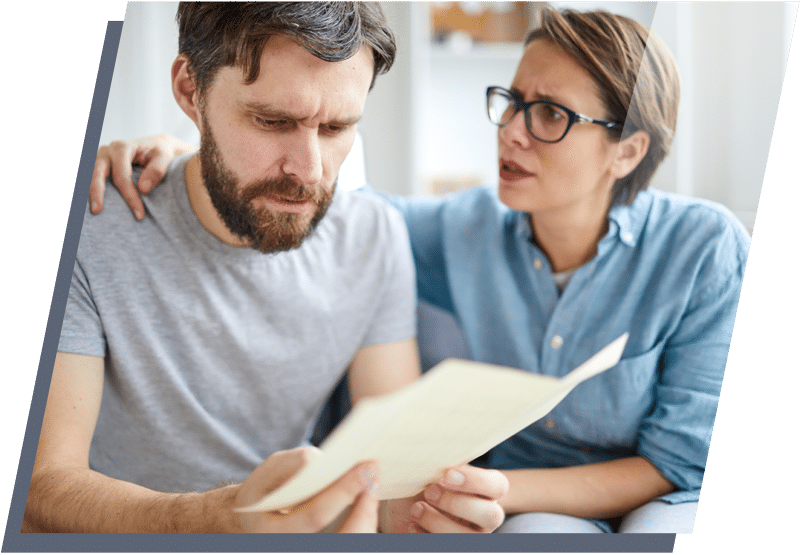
[[586, 119]]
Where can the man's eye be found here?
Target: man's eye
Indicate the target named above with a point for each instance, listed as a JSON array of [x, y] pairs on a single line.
[[272, 123], [334, 129]]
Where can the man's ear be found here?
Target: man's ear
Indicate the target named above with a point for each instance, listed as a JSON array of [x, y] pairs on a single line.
[[630, 152], [184, 89]]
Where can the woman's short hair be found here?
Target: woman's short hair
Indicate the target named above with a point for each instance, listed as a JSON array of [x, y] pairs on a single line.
[[220, 34], [636, 75]]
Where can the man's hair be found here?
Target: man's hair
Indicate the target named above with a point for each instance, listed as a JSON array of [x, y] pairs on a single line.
[[220, 34], [636, 76]]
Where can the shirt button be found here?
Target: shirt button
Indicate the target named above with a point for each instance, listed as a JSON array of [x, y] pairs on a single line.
[[538, 264], [627, 237], [556, 342], [550, 423]]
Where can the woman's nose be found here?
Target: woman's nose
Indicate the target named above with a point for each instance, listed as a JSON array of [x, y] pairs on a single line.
[[515, 131]]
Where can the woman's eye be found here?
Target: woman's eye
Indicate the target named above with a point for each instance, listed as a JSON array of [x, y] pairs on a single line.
[[553, 113]]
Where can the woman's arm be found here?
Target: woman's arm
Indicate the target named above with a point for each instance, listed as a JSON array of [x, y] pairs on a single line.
[[599, 490], [116, 159]]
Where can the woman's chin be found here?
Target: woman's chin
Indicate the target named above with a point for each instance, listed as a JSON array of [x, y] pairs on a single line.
[[513, 196]]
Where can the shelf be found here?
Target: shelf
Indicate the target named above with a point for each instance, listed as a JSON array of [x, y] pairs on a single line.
[[487, 51]]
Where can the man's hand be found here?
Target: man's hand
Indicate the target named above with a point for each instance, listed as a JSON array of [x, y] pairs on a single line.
[[355, 489], [116, 159], [465, 500]]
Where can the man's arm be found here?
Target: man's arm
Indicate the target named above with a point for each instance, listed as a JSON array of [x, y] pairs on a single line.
[[466, 499], [381, 369], [67, 496]]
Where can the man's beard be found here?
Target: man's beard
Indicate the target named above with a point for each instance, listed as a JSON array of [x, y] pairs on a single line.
[[265, 230]]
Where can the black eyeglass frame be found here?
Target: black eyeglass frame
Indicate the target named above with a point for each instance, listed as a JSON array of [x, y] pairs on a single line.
[[574, 117]]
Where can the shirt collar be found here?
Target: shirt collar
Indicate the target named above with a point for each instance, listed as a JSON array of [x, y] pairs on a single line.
[[626, 222], [522, 225]]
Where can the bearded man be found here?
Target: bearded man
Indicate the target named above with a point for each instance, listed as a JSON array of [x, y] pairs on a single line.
[[192, 367]]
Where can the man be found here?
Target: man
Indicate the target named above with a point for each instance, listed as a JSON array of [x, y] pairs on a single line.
[[252, 285]]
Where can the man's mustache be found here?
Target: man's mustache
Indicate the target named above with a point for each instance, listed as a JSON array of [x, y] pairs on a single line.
[[282, 187]]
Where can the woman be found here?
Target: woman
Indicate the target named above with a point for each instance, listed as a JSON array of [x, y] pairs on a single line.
[[567, 253]]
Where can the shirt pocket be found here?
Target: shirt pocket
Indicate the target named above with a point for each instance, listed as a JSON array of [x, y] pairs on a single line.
[[607, 410]]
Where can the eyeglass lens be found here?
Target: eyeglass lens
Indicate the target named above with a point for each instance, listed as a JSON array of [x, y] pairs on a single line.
[[546, 122]]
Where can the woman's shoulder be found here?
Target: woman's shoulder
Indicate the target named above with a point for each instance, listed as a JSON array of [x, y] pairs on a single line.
[[477, 204], [696, 225], [678, 212]]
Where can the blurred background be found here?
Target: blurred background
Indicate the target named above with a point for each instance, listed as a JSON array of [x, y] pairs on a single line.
[[425, 130]]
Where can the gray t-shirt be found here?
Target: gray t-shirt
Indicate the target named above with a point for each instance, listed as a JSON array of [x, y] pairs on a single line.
[[217, 356]]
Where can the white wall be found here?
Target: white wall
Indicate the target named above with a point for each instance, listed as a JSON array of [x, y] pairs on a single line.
[[426, 118], [140, 101], [731, 56]]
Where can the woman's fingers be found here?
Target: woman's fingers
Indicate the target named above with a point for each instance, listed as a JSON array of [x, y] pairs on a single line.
[[491, 484], [464, 512], [464, 500]]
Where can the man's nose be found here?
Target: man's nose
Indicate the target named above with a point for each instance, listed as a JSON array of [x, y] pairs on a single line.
[[303, 159]]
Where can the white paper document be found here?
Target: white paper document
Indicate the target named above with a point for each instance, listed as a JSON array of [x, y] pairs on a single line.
[[456, 412]]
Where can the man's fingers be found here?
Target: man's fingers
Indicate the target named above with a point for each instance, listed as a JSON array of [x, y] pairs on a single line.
[[363, 516], [490, 484], [322, 509], [274, 472], [477, 513]]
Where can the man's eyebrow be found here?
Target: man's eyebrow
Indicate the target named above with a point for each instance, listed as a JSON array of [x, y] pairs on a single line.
[[273, 112]]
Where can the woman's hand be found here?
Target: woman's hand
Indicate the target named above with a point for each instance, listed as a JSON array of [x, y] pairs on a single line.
[[116, 160], [465, 500]]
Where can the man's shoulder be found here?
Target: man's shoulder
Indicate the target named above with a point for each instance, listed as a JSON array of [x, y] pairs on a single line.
[[364, 210], [359, 225], [476, 210], [116, 221]]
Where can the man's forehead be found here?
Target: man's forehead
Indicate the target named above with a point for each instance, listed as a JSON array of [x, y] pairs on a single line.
[[280, 51], [292, 81]]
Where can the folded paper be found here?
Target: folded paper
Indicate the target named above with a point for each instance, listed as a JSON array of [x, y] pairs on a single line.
[[456, 412]]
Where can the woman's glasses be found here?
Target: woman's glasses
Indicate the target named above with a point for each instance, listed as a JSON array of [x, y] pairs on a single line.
[[546, 121]]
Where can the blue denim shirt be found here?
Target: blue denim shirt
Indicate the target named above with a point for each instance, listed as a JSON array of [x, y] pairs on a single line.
[[669, 272]]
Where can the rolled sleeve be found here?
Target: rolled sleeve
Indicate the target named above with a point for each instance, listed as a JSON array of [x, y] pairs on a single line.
[[676, 436]]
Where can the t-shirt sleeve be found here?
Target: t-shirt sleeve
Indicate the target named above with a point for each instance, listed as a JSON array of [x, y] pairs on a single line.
[[82, 329], [395, 317], [676, 436], [424, 218]]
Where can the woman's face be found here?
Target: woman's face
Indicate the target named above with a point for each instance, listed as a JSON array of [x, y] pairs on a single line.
[[574, 175]]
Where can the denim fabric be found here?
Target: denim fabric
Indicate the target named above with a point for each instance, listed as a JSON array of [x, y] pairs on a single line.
[[668, 272]]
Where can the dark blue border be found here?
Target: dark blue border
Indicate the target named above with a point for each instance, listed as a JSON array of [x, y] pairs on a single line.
[[15, 541]]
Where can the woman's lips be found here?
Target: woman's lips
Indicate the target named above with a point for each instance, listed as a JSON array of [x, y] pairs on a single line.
[[511, 171]]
